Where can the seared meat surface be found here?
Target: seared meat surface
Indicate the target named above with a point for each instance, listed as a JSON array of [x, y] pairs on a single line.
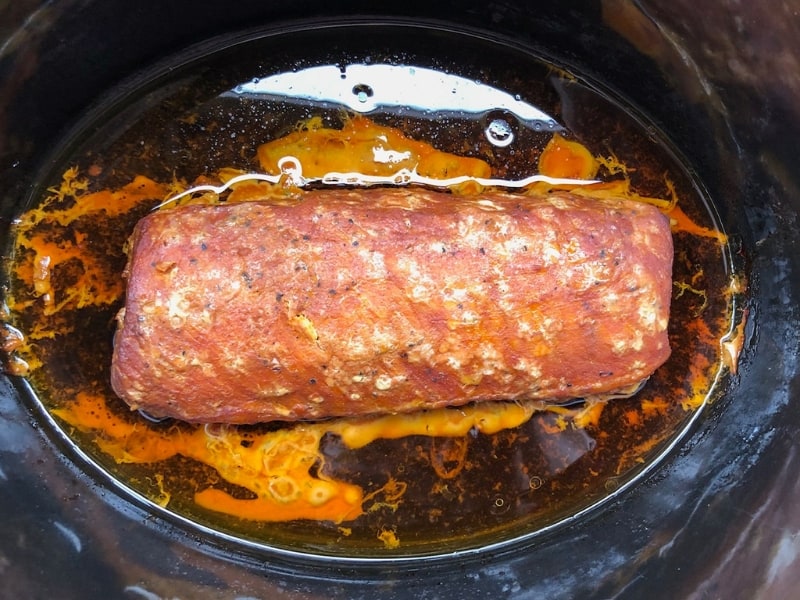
[[390, 300]]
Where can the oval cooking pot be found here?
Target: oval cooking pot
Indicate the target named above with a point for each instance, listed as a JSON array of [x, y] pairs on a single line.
[[718, 518]]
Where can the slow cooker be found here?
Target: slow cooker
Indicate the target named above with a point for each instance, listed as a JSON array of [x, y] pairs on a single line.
[[715, 518]]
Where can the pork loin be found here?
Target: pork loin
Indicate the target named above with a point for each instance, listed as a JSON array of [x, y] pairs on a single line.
[[353, 302]]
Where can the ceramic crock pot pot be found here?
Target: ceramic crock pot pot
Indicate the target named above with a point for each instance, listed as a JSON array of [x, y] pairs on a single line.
[[716, 518]]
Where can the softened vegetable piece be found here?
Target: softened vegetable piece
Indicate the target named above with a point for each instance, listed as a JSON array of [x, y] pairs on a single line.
[[389, 301]]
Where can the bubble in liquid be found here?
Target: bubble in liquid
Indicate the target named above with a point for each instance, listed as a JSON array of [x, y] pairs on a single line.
[[363, 92], [499, 505], [499, 133], [291, 170], [152, 418], [535, 482]]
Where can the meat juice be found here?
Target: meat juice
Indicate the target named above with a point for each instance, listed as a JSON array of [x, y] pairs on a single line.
[[420, 484]]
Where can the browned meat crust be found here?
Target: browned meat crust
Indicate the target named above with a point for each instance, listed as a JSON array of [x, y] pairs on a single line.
[[389, 300]]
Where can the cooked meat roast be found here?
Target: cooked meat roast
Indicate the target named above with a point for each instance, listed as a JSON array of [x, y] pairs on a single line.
[[390, 300]]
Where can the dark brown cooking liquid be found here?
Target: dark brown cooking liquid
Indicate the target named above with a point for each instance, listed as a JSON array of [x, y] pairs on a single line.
[[403, 493]]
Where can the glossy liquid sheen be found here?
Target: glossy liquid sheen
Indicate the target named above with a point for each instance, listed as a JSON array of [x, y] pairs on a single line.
[[423, 494]]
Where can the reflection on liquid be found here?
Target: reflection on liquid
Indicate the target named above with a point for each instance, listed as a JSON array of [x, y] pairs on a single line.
[[365, 88], [292, 174], [561, 450]]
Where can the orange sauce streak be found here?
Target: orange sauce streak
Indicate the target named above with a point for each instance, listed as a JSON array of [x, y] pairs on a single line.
[[389, 538], [364, 147], [63, 207], [633, 455], [654, 406], [57, 208], [570, 159], [633, 418], [699, 367], [487, 418], [681, 222], [273, 466], [567, 159]]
